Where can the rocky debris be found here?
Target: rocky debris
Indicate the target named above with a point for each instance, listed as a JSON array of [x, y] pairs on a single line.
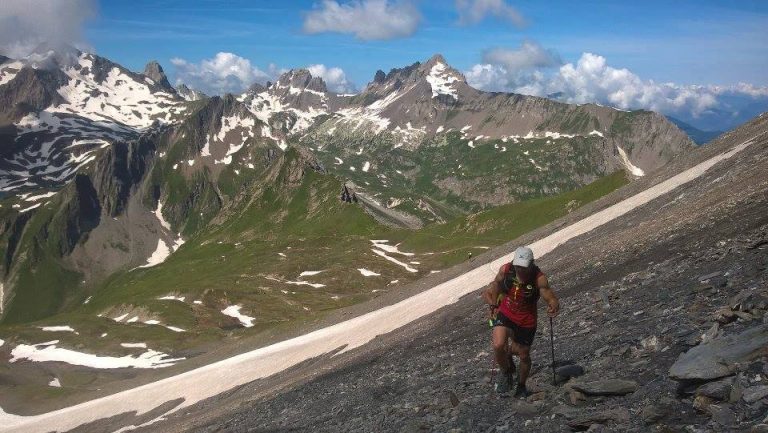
[[606, 387], [721, 357]]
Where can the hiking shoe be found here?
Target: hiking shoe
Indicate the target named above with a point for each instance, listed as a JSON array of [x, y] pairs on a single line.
[[521, 391], [503, 383]]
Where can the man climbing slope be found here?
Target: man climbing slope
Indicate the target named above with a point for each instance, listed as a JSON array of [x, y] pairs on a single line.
[[513, 297]]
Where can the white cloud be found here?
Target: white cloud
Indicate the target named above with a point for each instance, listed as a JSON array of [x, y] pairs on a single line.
[[24, 24], [224, 73], [474, 11], [335, 78], [529, 55], [591, 79], [366, 19]]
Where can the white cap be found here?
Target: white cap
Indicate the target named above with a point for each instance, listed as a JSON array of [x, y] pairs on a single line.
[[523, 257]]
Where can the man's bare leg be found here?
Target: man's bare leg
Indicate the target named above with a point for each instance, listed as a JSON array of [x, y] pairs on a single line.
[[500, 337], [524, 353]]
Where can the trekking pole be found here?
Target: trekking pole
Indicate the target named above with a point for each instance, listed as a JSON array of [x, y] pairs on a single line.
[[552, 345]]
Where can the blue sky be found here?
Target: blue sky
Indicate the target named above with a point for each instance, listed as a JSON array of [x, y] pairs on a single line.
[[686, 42]]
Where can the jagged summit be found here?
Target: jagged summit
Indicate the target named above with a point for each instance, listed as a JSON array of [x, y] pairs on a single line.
[[301, 79], [436, 58], [155, 72], [189, 94]]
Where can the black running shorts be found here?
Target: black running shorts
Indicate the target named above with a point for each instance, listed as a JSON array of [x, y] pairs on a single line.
[[520, 335]]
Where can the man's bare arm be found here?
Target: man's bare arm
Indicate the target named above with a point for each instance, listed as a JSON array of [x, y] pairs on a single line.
[[553, 303], [491, 292]]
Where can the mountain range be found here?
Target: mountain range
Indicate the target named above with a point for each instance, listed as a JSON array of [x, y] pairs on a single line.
[[132, 210]]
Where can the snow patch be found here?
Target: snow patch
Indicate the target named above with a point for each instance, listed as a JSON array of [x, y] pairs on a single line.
[[367, 273], [596, 132], [65, 328], [636, 171], [309, 273], [172, 298], [55, 383], [394, 260], [296, 283], [366, 166], [442, 81], [134, 345], [234, 311], [382, 245], [40, 196]]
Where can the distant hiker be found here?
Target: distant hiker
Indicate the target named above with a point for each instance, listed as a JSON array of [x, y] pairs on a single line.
[[345, 197], [513, 296]]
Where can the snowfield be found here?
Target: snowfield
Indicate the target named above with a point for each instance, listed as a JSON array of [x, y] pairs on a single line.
[[207, 381], [48, 351]]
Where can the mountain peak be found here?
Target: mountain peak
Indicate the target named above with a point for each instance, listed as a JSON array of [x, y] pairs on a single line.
[[302, 79], [437, 58], [155, 72]]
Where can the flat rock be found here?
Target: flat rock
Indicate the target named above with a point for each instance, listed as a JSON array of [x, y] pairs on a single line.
[[524, 408], [618, 415], [722, 415], [606, 387], [719, 357], [755, 393]]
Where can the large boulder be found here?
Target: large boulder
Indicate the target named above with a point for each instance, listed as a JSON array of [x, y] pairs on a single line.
[[721, 356]]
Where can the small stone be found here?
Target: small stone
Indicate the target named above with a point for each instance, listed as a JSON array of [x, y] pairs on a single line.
[[702, 403], [524, 408], [607, 387], [566, 372], [708, 277], [722, 415], [537, 396], [576, 397], [760, 428], [652, 414], [718, 390], [650, 344], [755, 393], [453, 398], [711, 334]]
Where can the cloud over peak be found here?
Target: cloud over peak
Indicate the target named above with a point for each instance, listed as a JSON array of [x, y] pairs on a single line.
[[25, 24], [365, 19], [224, 73], [230, 73], [335, 78]]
